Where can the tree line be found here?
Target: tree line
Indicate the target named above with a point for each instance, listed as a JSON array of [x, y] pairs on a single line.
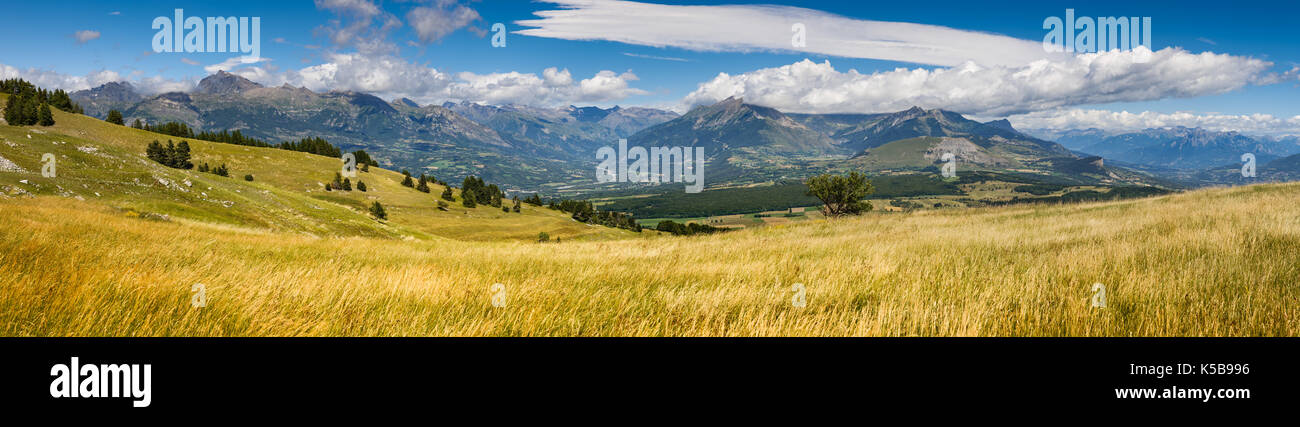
[[312, 145], [29, 105], [585, 211]]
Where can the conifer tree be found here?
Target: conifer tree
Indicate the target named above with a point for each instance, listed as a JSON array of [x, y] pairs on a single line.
[[347, 184], [446, 194], [31, 111], [12, 111], [361, 186], [46, 117], [183, 156], [115, 117], [378, 211], [407, 180], [424, 184]]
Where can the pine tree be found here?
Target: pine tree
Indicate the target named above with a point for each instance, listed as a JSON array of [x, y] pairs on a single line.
[[12, 111], [248, 178], [155, 152], [183, 156], [467, 200], [446, 194], [169, 154], [31, 111], [46, 117], [361, 186], [338, 181], [115, 117], [378, 211], [407, 181], [424, 184], [347, 184]]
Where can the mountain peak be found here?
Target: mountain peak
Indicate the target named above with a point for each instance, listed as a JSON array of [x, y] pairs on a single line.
[[223, 83], [1003, 124]]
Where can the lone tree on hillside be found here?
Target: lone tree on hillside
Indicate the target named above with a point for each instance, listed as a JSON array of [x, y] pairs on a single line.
[[378, 211], [115, 117], [407, 181], [446, 194], [841, 195]]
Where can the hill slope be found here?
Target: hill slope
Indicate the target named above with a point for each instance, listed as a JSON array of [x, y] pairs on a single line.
[[105, 164]]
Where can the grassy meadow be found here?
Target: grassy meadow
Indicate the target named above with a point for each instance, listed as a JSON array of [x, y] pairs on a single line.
[[115, 245], [1221, 262]]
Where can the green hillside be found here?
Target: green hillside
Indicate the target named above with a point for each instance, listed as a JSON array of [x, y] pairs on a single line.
[[104, 163]]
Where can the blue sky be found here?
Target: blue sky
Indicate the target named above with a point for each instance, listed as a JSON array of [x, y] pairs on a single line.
[[630, 55]]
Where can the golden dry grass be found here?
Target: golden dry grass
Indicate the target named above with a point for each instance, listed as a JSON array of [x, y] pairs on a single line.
[[1220, 262]]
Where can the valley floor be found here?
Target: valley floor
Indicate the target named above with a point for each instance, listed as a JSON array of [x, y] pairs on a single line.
[[1217, 262]]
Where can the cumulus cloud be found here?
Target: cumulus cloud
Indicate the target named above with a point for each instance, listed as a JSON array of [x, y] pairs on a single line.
[[1097, 78], [386, 76], [391, 77], [1124, 121], [55, 80], [432, 23], [771, 28], [555, 87], [360, 24], [84, 36]]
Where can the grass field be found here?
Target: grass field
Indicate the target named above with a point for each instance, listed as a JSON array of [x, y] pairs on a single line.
[[89, 253], [1221, 262]]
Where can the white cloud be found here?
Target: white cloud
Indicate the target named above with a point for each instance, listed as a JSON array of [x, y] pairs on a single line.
[[355, 25], [386, 76], [807, 86], [55, 80], [233, 63], [84, 36], [769, 28], [555, 87], [190, 61], [1124, 121], [433, 23], [361, 8], [556, 78]]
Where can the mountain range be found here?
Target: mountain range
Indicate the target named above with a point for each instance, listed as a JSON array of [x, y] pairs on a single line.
[[1177, 148], [546, 149], [517, 146]]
